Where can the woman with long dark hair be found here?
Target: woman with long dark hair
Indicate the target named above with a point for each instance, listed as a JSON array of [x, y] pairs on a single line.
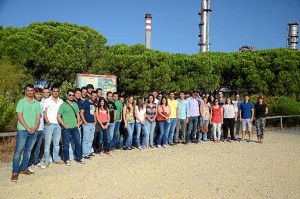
[[102, 116], [128, 116], [151, 112], [260, 112], [216, 119], [229, 118], [163, 119]]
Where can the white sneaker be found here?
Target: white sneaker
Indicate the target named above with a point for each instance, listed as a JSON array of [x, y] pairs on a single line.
[[158, 146], [81, 161], [31, 169], [165, 146], [41, 166], [68, 163]]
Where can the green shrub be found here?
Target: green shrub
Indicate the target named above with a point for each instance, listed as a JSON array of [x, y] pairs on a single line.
[[65, 87], [7, 117]]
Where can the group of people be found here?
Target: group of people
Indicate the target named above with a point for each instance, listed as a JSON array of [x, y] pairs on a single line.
[[91, 124]]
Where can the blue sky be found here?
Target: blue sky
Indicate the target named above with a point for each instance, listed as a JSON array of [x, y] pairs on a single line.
[[261, 23]]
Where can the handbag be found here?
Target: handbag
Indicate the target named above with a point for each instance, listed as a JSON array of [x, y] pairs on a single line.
[[204, 129], [160, 118]]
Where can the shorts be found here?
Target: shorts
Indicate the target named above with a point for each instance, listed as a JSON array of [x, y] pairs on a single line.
[[246, 125]]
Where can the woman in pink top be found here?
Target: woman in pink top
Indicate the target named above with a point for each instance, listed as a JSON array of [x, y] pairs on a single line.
[[102, 115], [216, 119]]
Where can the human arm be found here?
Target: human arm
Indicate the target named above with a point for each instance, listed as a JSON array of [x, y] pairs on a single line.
[[82, 117], [221, 115], [59, 119], [124, 116], [45, 115]]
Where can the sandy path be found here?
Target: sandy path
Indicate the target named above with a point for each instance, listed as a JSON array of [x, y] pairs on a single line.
[[236, 170]]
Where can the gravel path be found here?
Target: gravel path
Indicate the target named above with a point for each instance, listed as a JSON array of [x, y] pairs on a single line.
[[206, 170]]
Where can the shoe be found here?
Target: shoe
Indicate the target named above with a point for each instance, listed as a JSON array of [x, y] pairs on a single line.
[[139, 148], [101, 153], [81, 161], [165, 146], [26, 172], [171, 144], [159, 146], [242, 140], [68, 163], [87, 157], [151, 146], [59, 162], [41, 166], [92, 155], [47, 164], [108, 153], [14, 177], [31, 169]]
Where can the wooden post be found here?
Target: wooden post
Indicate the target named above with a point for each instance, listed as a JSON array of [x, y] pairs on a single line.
[[281, 125]]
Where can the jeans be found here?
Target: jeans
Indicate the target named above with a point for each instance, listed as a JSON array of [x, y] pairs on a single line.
[[104, 137], [111, 130], [138, 128], [203, 135], [151, 128], [36, 150], [130, 128], [72, 145], [66, 133], [116, 135], [25, 141], [228, 122], [181, 125], [55, 131], [237, 128], [164, 128], [173, 124], [88, 138], [217, 131], [193, 122]]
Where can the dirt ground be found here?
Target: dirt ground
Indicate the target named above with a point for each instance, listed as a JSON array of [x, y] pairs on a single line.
[[206, 170]]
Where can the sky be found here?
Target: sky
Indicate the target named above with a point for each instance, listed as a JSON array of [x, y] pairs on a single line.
[[233, 23]]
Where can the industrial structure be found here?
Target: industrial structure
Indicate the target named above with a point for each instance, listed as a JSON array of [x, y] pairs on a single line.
[[148, 19], [292, 35], [204, 26]]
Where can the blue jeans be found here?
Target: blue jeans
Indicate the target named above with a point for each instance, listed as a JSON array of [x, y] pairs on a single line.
[[116, 136], [193, 122], [151, 128], [203, 135], [164, 128], [66, 133], [173, 124], [88, 138], [25, 141], [104, 137], [130, 128], [72, 145], [36, 150], [55, 131], [138, 128]]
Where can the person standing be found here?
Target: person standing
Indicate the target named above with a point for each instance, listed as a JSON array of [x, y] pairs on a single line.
[[35, 153], [221, 99], [28, 113], [119, 109], [69, 118], [183, 110], [112, 113], [229, 118], [151, 113], [46, 93], [52, 128], [237, 103], [128, 116], [87, 113], [216, 120], [204, 117], [102, 114], [173, 104], [246, 116], [90, 89], [140, 116], [163, 119], [99, 93], [193, 116], [260, 112]]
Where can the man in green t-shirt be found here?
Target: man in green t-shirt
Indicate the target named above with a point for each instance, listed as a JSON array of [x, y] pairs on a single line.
[[28, 114], [68, 117], [119, 105]]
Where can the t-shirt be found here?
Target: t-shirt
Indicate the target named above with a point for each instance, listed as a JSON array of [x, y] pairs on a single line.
[[29, 112], [112, 108], [42, 123], [52, 108], [140, 113], [68, 115], [246, 110], [151, 111], [173, 107], [119, 106], [229, 111], [89, 111], [260, 110]]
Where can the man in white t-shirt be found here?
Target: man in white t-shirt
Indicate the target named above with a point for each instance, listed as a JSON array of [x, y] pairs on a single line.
[[52, 127]]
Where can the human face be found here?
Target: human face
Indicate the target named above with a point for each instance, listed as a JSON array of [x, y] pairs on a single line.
[[29, 92], [102, 102], [130, 100], [77, 94], [55, 92], [99, 93], [116, 97], [237, 97], [109, 97], [260, 101], [212, 98], [246, 98], [38, 96], [70, 96], [220, 95], [150, 99], [90, 90], [181, 95], [46, 93], [172, 95], [83, 93], [93, 97], [122, 99], [228, 100], [205, 100], [164, 101], [216, 102], [159, 96], [154, 93]]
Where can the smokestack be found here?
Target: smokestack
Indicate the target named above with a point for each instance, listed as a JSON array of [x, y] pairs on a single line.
[[292, 35], [204, 26], [148, 19]]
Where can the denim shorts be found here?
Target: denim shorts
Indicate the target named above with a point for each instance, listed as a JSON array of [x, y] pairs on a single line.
[[246, 125]]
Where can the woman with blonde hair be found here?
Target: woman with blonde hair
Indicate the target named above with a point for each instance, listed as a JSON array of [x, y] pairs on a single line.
[[128, 116]]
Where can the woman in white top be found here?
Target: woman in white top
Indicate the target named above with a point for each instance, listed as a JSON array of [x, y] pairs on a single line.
[[229, 118], [140, 121]]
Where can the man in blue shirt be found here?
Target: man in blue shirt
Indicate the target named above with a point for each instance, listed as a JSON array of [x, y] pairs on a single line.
[[246, 116]]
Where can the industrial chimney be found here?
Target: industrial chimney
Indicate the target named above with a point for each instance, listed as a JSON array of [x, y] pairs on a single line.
[[148, 19], [204, 26], [292, 35]]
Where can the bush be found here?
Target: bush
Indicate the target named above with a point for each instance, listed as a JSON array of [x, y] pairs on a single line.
[[8, 117], [65, 87]]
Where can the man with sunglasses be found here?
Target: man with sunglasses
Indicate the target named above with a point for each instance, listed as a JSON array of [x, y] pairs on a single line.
[[68, 117]]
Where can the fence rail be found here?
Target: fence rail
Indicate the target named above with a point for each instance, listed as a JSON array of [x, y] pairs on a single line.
[[9, 134]]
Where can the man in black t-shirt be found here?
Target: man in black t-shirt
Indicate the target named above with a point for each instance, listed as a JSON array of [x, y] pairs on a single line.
[[112, 113]]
